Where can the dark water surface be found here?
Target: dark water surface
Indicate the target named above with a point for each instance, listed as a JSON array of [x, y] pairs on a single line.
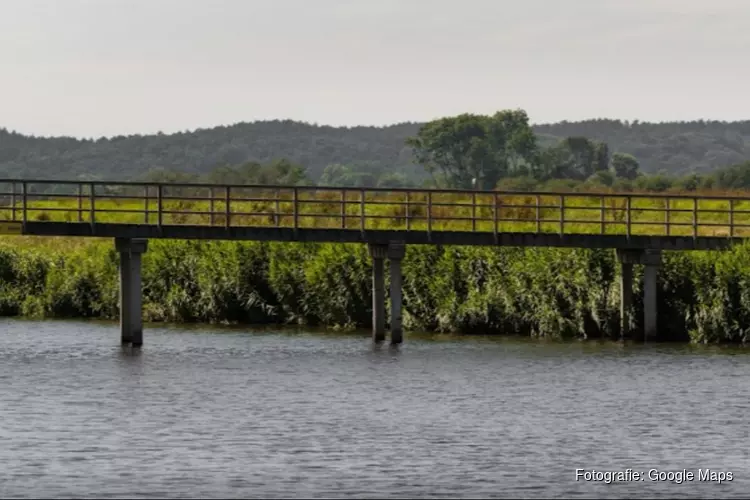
[[201, 413]]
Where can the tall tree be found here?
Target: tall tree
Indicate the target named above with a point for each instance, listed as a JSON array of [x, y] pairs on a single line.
[[625, 166], [466, 149]]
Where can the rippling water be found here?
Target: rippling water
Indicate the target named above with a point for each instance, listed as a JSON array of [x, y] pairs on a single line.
[[231, 413]]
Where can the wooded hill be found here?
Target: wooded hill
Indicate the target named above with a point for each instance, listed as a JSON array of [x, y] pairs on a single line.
[[674, 148]]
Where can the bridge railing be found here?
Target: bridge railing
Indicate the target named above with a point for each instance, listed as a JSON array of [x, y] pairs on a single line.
[[373, 208]]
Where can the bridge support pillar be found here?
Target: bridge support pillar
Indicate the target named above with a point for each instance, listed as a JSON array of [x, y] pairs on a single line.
[[626, 258], [131, 310], [396, 252], [378, 254], [652, 261]]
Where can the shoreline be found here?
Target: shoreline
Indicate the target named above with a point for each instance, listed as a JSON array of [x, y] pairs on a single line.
[[704, 297]]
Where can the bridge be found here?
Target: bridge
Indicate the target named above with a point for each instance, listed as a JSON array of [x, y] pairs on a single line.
[[638, 226]]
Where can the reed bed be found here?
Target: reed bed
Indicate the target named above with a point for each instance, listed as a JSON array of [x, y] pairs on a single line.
[[704, 297]]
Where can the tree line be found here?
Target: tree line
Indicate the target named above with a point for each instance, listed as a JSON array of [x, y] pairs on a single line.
[[501, 151]]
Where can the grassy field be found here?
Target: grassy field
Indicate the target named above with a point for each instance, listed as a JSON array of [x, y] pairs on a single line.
[[582, 213]]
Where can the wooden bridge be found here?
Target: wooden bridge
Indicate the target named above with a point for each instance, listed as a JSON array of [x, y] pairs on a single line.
[[638, 226]]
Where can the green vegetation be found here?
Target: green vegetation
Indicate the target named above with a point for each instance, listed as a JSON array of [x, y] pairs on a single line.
[[676, 149], [563, 293], [704, 297]]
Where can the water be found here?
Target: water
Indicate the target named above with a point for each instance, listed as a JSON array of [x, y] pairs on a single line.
[[229, 414]]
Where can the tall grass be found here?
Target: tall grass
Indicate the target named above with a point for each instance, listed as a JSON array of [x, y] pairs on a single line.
[[564, 293]]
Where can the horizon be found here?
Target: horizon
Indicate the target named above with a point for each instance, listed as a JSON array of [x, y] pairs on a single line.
[[76, 68], [319, 124]]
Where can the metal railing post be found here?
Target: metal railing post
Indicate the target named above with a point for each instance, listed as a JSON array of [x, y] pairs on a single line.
[[227, 208], [538, 214], [145, 204], [474, 212], [277, 209], [362, 210], [602, 216], [627, 214], [13, 199], [159, 205], [695, 217], [495, 216], [343, 209], [667, 222], [408, 211], [562, 215], [80, 202], [92, 205], [429, 214], [24, 202], [295, 197], [731, 219], [212, 206]]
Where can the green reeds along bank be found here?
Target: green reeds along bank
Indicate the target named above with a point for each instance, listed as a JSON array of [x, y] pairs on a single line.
[[563, 293]]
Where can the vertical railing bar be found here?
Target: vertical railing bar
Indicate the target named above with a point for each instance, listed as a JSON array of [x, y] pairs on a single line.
[[146, 202], [628, 204], [159, 205], [227, 207], [474, 212], [295, 209], [731, 219], [24, 202], [429, 214], [408, 211], [343, 209], [538, 214], [495, 215], [602, 216], [13, 199], [92, 204], [278, 209], [667, 218], [695, 217], [212, 206], [80, 202], [562, 215], [362, 210]]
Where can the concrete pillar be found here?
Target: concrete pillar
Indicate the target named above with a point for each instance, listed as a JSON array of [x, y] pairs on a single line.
[[652, 262], [378, 254], [626, 299], [131, 300], [626, 259], [396, 252]]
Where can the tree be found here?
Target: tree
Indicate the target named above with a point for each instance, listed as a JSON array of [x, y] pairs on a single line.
[[625, 166], [460, 149]]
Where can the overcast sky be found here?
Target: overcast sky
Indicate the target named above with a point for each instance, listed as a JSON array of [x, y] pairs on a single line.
[[107, 67]]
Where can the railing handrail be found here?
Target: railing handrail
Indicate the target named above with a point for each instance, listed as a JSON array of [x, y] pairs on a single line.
[[623, 211], [592, 194]]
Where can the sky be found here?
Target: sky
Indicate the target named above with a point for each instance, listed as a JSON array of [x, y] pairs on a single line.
[[91, 68]]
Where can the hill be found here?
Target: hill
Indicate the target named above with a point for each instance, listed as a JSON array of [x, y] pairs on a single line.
[[674, 148]]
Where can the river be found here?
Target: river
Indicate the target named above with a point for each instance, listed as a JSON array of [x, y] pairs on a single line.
[[229, 413]]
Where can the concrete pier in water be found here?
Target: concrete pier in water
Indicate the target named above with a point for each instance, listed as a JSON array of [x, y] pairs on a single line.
[[131, 301], [394, 252], [651, 260]]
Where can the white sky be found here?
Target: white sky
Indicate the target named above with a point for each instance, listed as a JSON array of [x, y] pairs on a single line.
[[106, 67]]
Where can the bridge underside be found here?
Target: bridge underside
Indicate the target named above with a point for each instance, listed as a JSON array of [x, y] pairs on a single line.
[[377, 237]]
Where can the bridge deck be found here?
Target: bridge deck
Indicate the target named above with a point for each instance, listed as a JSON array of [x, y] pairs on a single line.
[[450, 217]]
